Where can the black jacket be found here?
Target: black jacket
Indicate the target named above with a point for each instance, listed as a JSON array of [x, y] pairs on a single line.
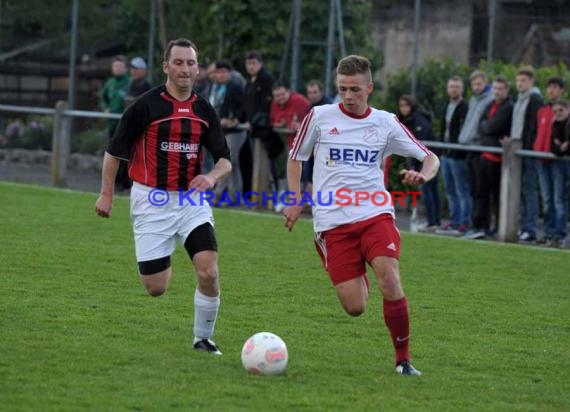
[[560, 134], [530, 121], [233, 105], [491, 131], [455, 125], [258, 96], [419, 123]]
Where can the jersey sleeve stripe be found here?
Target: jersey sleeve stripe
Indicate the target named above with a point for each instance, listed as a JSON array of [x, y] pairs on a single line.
[[413, 138], [301, 134]]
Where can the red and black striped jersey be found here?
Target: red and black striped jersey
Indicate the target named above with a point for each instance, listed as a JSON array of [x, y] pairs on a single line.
[[162, 139]]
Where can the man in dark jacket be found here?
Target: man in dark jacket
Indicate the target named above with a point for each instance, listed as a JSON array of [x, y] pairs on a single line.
[[258, 96], [494, 126], [227, 97], [139, 83], [317, 97], [453, 162], [524, 126]]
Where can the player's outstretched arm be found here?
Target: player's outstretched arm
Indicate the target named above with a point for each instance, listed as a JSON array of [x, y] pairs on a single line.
[[430, 166], [105, 201], [292, 213]]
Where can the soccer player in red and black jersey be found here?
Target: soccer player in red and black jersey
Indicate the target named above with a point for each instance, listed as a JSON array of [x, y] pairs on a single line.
[[161, 135]]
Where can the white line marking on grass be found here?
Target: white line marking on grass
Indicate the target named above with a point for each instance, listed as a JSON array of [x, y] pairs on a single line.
[[489, 242], [32, 186]]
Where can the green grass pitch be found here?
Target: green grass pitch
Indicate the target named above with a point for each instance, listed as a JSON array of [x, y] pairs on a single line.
[[490, 322]]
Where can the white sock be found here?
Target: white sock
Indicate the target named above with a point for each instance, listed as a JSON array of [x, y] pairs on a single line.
[[205, 314]]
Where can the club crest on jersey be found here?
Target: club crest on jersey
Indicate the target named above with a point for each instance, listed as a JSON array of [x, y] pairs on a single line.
[[355, 157], [371, 135]]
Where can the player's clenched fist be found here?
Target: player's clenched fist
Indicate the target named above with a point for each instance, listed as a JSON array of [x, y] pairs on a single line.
[[411, 177], [103, 206]]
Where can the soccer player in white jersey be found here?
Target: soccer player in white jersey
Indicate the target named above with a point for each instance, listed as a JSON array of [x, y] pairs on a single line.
[[349, 140]]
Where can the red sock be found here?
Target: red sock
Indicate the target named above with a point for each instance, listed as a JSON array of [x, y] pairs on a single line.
[[397, 321]]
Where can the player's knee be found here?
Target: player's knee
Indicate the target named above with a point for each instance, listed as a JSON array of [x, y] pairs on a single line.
[[155, 290], [391, 287], [355, 309], [208, 274], [391, 282]]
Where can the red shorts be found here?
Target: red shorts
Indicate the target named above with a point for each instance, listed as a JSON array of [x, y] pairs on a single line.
[[346, 249]]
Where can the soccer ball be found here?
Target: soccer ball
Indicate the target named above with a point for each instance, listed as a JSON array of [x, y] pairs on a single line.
[[264, 354]]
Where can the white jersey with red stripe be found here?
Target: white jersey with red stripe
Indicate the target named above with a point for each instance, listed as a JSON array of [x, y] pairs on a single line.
[[348, 152]]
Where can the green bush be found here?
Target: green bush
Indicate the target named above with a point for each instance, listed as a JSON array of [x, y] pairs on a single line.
[[30, 132], [90, 141]]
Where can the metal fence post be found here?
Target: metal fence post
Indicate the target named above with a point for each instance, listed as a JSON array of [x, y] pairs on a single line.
[[511, 173], [60, 145]]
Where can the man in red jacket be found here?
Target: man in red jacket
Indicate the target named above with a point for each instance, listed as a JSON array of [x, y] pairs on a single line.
[[546, 168], [288, 109]]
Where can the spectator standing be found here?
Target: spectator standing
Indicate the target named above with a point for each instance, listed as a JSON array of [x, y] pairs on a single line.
[[229, 98], [317, 97], [203, 83], [258, 96], [548, 171], [561, 171], [112, 100], [524, 127], [494, 126], [453, 162], [419, 123], [469, 135], [139, 83]]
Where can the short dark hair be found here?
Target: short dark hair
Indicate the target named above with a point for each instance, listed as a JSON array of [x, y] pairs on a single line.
[[501, 79], [224, 64], [253, 54], [181, 42], [560, 102], [354, 64], [556, 80], [317, 83], [526, 71], [279, 84], [121, 58], [456, 78]]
